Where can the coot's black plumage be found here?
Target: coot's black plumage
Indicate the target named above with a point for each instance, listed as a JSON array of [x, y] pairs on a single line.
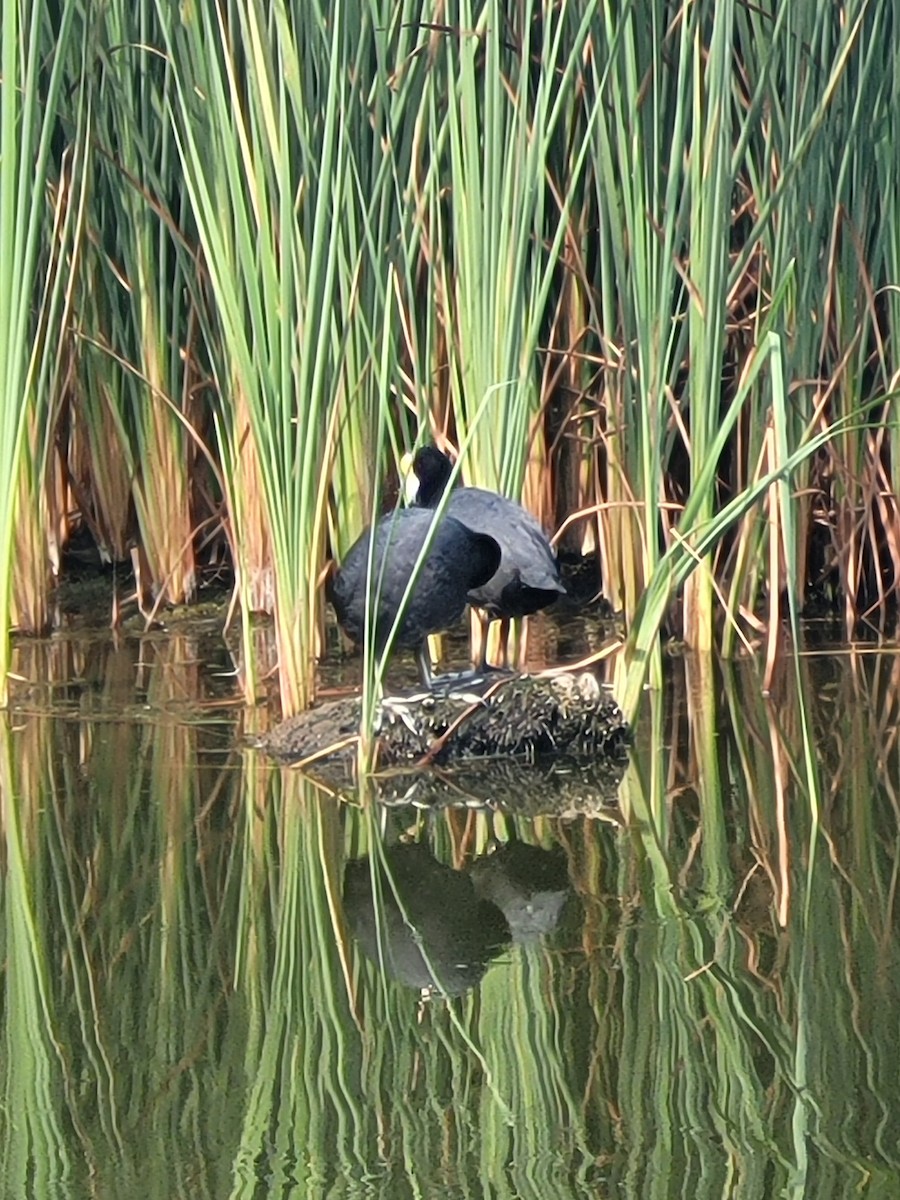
[[457, 560], [528, 576]]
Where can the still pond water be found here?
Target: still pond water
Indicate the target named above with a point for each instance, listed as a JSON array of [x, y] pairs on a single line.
[[215, 971]]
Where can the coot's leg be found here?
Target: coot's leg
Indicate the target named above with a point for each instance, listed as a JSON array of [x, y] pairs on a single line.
[[423, 662], [484, 622], [504, 641]]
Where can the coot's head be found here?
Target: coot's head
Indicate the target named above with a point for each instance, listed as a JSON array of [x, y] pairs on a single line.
[[430, 471]]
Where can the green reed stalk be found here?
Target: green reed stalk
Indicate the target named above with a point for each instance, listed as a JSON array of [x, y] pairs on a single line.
[[711, 183], [812, 202], [787, 156], [258, 112], [695, 539], [489, 238], [641, 69], [381, 336], [381, 248], [137, 316], [38, 53], [887, 188], [496, 105]]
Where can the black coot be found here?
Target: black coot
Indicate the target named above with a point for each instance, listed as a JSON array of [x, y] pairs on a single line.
[[457, 560], [528, 576]]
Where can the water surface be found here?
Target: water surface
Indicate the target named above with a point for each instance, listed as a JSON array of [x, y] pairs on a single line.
[[219, 979]]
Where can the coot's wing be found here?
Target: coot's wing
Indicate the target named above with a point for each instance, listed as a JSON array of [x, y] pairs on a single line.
[[457, 559], [527, 555]]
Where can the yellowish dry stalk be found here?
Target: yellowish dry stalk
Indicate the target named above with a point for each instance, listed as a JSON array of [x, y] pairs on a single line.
[[162, 488], [101, 475], [31, 575], [253, 556]]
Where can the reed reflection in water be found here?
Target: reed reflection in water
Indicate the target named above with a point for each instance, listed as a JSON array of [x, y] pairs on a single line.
[[213, 969]]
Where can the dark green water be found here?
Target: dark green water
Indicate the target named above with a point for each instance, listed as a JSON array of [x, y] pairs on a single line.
[[213, 969]]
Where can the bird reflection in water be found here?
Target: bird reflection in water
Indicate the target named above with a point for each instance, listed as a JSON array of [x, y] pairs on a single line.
[[436, 929]]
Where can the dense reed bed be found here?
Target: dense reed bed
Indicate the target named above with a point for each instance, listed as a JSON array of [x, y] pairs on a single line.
[[641, 259]]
